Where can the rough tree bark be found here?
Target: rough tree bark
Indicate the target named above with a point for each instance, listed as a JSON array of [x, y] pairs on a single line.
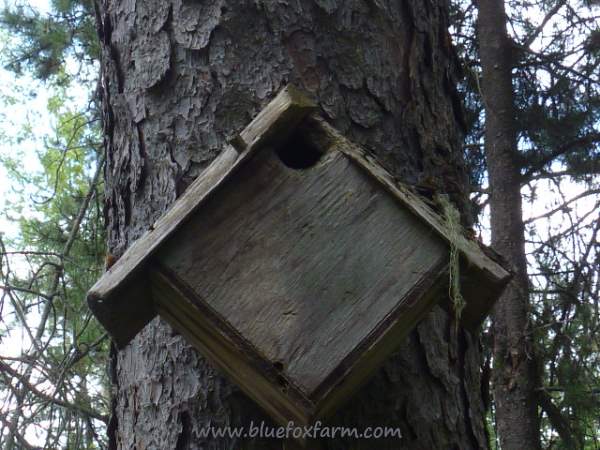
[[181, 77], [514, 372]]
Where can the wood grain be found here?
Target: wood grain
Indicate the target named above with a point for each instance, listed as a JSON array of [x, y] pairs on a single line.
[[311, 264], [227, 350], [274, 122], [484, 276], [469, 248], [271, 126]]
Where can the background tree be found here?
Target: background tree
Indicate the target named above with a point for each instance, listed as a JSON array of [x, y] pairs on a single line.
[[514, 359], [550, 58], [45, 272]]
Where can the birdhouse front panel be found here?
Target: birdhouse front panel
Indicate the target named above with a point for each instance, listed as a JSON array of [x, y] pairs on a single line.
[[305, 264], [295, 263]]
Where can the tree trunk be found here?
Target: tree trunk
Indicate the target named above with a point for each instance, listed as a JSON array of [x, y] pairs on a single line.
[[181, 77], [514, 373]]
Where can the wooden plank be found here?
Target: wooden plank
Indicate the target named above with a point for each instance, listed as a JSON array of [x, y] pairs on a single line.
[[102, 297], [127, 311], [230, 353], [372, 353], [305, 264], [286, 110], [480, 294], [474, 254], [274, 121]]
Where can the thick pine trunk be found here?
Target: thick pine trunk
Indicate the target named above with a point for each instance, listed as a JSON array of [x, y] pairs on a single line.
[[514, 366], [179, 78]]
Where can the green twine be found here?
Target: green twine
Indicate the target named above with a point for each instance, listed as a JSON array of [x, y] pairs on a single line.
[[452, 218]]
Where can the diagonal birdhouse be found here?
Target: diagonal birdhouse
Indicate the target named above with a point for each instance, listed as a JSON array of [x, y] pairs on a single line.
[[295, 263]]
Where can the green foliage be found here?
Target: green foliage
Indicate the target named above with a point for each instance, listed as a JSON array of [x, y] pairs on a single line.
[[47, 41], [58, 381], [60, 248], [556, 79]]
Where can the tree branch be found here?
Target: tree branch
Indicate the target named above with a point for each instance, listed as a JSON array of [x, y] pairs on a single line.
[[47, 398], [559, 151], [553, 11], [558, 421]]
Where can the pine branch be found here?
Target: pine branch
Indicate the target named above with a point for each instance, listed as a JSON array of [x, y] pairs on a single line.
[[563, 206], [588, 139], [48, 398], [17, 436], [549, 15], [558, 421]]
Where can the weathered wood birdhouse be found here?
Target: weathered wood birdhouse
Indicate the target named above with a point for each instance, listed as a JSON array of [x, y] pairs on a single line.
[[295, 263]]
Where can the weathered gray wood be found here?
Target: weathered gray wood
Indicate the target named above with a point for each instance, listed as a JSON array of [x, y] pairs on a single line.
[[367, 358], [272, 124], [278, 118], [113, 310], [141, 249], [469, 248], [245, 366], [127, 310], [297, 283], [484, 277], [227, 351], [312, 264]]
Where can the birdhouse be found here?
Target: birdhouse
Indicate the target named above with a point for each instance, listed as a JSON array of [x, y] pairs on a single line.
[[295, 263]]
